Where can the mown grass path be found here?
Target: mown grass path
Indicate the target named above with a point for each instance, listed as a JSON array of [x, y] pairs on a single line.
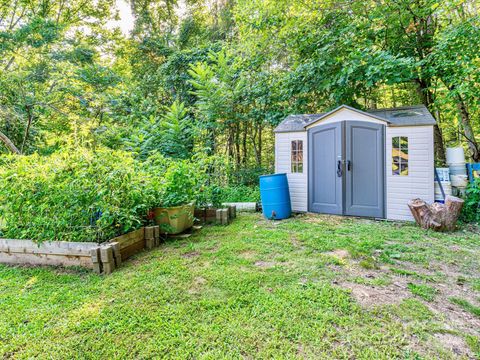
[[309, 287]]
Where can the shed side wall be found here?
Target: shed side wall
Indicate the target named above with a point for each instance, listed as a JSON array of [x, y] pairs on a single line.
[[298, 183], [419, 183]]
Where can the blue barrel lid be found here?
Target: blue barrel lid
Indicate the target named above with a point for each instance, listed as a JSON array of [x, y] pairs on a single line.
[[279, 174]]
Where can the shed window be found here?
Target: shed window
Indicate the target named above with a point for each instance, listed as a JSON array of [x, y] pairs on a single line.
[[297, 156], [400, 155]]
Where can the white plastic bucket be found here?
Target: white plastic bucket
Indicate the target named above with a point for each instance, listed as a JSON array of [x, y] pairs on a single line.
[[455, 155], [458, 169], [459, 180], [447, 188]]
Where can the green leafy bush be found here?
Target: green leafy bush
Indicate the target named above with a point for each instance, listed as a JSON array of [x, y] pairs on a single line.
[[240, 193], [74, 195], [471, 208], [80, 195], [179, 181]]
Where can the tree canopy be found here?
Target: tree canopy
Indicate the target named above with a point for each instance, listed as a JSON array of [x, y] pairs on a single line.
[[217, 76]]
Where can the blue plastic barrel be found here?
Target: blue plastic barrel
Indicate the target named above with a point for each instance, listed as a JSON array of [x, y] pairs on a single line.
[[275, 196], [473, 171]]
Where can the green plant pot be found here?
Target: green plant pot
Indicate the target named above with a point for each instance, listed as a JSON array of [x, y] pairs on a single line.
[[174, 220]]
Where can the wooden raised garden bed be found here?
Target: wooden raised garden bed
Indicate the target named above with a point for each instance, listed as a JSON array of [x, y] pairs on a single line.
[[103, 258], [216, 216]]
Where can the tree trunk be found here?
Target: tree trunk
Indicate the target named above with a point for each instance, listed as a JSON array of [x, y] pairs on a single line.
[[467, 128], [244, 143], [259, 163], [438, 217], [230, 142], [27, 128], [254, 143], [237, 145], [439, 147], [8, 143]]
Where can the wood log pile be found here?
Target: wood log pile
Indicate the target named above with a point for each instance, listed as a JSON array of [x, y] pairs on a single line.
[[437, 216]]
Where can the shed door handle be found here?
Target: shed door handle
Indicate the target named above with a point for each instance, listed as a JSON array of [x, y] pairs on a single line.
[[349, 165], [339, 168]]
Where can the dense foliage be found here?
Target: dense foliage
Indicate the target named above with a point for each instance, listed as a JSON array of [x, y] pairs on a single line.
[[471, 208], [79, 195], [214, 78]]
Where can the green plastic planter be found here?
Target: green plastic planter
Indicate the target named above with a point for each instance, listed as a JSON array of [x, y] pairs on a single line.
[[174, 220]]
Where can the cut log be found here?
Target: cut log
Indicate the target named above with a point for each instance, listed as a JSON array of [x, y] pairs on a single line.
[[438, 217]]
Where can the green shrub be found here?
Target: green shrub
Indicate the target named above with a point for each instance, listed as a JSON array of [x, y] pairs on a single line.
[[74, 195], [79, 195], [179, 181], [214, 195], [471, 208], [240, 193]]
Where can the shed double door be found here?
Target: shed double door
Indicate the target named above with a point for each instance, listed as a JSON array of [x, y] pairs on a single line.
[[346, 169]]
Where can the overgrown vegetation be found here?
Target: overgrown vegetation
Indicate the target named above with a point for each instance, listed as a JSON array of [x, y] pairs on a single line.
[[471, 208], [217, 76], [80, 195]]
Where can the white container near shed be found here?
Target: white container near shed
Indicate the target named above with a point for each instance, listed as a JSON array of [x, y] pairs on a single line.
[[455, 155], [447, 188], [460, 181], [458, 169], [242, 206]]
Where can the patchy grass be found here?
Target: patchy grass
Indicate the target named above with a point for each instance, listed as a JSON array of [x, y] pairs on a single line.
[[475, 310], [426, 292], [476, 285], [412, 274], [308, 287]]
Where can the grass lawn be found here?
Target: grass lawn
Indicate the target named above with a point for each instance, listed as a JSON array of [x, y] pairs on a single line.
[[308, 287]]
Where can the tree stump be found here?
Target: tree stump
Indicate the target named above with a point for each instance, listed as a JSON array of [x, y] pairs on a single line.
[[438, 217]]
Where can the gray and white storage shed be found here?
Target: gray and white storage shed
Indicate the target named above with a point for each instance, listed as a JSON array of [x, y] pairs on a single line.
[[360, 163]]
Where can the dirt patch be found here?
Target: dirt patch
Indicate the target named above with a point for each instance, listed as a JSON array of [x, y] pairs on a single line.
[[191, 254], [331, 220], [367, 295], [339, 254], [213, 249], [297, 243], [247, 254], [455, 344], [454, 317], [265, 264], [197, 285]]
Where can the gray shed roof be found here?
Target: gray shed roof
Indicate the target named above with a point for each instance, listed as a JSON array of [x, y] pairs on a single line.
[[402, 116]]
